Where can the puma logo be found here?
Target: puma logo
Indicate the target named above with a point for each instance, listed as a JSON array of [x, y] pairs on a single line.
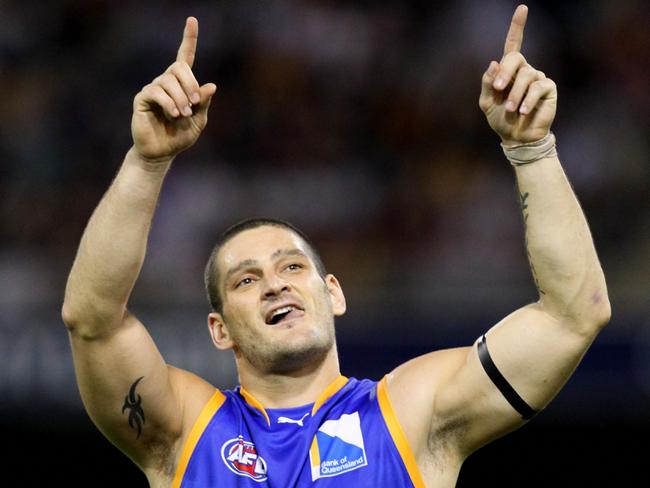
[[287, 420]]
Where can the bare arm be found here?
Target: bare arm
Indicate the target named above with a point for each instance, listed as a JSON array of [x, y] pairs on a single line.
[[128, 390], [112, 249], [537, 347], [562, 256]]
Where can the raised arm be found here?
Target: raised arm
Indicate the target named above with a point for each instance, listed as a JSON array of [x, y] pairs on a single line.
[[126, 387], [536, 348]]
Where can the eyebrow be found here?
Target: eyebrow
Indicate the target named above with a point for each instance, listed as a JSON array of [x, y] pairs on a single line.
[[287, 252], [246, 263]]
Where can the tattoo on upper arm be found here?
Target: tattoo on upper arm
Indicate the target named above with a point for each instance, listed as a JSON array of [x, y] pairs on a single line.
[[524, 206], [133, 404]]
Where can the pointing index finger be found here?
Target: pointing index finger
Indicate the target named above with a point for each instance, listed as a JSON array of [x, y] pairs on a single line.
[[516, 32], [187, 49]]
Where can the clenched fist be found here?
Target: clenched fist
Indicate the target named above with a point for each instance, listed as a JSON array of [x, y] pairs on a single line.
[[170, 113], [518, 100]]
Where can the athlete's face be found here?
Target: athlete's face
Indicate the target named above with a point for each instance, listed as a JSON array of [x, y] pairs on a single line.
[[278, 312]]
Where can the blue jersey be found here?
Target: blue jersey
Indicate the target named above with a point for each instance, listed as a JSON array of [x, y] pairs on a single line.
[[349, 437]]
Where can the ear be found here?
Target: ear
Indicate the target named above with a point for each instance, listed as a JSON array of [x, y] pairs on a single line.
[[336, 295], [221, 337]]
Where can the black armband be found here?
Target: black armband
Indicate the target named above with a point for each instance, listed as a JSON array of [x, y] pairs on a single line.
[[501, 383]]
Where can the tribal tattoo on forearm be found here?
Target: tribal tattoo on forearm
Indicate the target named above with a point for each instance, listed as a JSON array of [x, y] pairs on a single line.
[[523, 197], [132, 403]]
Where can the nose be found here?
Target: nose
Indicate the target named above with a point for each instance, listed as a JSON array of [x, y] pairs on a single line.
[[274, 286]]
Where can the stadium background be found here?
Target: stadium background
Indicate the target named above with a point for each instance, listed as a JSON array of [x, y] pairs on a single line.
[[358, 121]]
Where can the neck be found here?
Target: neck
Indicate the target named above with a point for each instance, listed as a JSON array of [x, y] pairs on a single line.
[[293, 389]]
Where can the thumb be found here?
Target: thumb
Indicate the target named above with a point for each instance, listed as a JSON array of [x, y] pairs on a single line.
[[486, 98], [206, 92]]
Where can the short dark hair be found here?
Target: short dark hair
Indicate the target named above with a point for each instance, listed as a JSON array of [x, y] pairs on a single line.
[[211, 275]]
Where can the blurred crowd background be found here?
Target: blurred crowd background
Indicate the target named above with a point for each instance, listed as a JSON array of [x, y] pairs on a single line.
[[359, 122]]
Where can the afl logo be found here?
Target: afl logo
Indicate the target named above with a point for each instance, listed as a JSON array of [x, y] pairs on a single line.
[[241, 458]]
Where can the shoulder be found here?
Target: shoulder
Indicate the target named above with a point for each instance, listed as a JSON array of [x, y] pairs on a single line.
[[356, 392], [193, 393], [413, 389], [415, 383]]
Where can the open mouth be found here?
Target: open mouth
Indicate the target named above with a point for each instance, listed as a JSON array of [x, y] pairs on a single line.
[[283, 314]]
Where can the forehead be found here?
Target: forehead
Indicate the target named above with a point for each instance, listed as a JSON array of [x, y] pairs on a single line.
[[257, 244]]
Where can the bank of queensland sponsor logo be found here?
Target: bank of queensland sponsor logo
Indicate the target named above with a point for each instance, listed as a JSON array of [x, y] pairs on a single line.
[[337, 447], [242, 458]]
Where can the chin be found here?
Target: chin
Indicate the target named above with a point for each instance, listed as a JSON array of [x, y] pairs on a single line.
[[297, 358]]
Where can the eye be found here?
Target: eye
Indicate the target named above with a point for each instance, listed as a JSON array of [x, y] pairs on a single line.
[[244, 281], [294, 267]]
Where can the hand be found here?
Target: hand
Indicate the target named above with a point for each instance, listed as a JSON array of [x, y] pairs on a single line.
[[518, 100], [170, 113]]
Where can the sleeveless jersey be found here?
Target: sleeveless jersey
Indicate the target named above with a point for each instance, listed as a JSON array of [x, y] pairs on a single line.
[[349, 437]]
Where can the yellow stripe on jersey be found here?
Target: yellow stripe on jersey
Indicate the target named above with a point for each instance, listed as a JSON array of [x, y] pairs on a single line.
[[329, 392], [326, 394], [210, 409], [314, 456], [398, 435], [314, 453], [255, 403]]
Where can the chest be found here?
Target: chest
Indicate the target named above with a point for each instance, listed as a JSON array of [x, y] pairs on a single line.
[[345, 445]]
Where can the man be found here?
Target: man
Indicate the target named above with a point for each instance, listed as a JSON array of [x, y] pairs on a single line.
[[296, 421]]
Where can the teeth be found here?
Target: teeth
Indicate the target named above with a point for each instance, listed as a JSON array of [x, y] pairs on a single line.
[[286, 309]]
